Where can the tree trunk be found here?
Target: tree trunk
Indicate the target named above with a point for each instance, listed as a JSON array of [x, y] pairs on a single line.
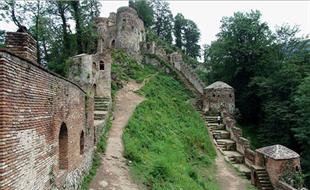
[[77, 17], [65, 36]]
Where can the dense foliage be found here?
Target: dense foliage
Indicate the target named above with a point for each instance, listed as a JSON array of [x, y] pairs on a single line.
[[166, 139], [144, 10], [158, 17], [49, 23], [270, 73]]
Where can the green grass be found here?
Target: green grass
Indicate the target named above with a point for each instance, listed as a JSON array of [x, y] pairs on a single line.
[[167, 141], [101, 146], [125, 68]]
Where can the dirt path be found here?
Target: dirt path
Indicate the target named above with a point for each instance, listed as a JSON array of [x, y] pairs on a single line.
[[113, 174], [227, 177]]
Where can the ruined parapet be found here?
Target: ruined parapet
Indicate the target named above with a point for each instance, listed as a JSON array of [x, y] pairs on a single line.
[[102, 74], [103, 33], [176, 59], [130, 31], [148, 48], [93, 73], [112, 19], [22, 44], [217, 96]]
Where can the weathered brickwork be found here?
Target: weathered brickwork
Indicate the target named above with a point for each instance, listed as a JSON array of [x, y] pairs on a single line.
[[22, 44], [122, 30], [34, 105], [92, 73]]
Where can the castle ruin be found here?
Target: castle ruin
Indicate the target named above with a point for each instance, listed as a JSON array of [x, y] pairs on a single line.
[[50, 125]]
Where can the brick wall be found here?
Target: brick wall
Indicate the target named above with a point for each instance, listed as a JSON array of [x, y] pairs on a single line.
[[22, 44], [34, 104]]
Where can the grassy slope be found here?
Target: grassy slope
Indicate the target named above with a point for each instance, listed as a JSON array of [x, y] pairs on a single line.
[[167, 141]]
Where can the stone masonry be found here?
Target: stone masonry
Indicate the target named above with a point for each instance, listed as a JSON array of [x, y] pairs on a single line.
[[50, 125], [35, 106]]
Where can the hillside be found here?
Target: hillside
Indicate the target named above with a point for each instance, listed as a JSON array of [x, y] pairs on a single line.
[[166, 139]]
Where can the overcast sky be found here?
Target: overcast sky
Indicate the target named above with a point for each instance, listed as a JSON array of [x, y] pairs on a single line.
[[207, 14]]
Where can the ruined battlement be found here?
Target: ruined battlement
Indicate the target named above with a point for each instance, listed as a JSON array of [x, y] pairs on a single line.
[[127, 10], [122, 30]]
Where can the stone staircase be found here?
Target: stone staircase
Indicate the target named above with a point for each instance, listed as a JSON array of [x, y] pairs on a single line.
[[263, 179], [226, 145], [101, 108]]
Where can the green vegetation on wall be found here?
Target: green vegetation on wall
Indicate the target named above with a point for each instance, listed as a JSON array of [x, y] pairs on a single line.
[[166, 139]]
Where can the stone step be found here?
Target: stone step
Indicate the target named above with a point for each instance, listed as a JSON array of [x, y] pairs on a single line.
[[101, 106], [234, 155], [99, 116], [101, 109], [101, 98], [220, 134], [229, 144], [243, 169], [222, 147], [216, 127]]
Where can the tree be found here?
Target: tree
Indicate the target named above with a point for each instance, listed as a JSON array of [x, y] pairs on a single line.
[[12, 10], [76, 12], [163, 20], [302, 132], [243, 44], [191, 38], [144, 10], [179, 26]]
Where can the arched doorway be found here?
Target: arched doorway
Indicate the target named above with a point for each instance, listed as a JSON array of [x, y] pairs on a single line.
[[113, 44], [95, 89], [63, 147], [82, 142], [101, 66]]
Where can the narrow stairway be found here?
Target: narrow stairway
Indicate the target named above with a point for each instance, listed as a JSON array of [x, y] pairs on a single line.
[[226, 145], [263, 179], [101, 108]]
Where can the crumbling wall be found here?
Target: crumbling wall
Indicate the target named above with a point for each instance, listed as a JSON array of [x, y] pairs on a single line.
[[92, 73], [130, 31], [35, 103]]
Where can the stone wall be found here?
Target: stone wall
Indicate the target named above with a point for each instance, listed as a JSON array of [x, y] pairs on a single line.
[[122, 30], [176, 62], [92, 73], [275, 168], [35, 105], [242, 144]]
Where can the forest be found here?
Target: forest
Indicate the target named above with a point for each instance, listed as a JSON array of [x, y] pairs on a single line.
[[269, 70]]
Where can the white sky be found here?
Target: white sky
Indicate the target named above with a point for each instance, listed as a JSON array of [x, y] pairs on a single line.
[[207, 14]]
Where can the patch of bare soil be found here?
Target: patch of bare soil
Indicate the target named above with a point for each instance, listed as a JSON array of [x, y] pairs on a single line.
[[113, 174], [227, 177]]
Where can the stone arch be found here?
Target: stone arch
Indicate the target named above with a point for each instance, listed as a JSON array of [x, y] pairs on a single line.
[[95, 89], [101, 66], [82, 142], [94, 66], [113, 43], [63, 147]]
